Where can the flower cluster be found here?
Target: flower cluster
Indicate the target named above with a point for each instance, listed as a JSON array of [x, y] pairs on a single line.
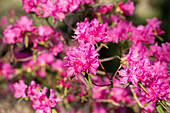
[[41, 103], [91, 32], [56, 8], [152, 74], [6, 70], [82, 58], [46, 54], [15, 33], [126, 8], [119, 32]]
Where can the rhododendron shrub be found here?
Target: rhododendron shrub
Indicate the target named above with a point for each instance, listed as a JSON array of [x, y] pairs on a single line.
[[64, 70]]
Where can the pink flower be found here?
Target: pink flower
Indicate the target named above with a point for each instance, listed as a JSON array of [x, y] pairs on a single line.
[[25, 24], [3, 21], [91, 32], [41, 72], [55, 49], [6, 70], [127, 8], [142, 33], [28, 5], [11, 35], [33, 90], [161, 53], [44, 32], [16, 33], [104, 9], [20, 89], [56, 8], [87, 1], [45, 59], [43, 104], [119, 32], [153, 22], [58, 65], [82, 58]]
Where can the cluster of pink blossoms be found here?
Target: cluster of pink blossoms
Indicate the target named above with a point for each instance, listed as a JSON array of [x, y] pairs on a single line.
[[91, 32], [82, 59], [146, 63], [24, 28], [15, 33], [153, 74], [6, 70], [126, 8], [56, 8], [41, 103]]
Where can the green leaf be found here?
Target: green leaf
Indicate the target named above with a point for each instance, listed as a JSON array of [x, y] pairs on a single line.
[[160, 38], [129, 33], [143, 87], [96, 44], [91, 75], [19, 4], [34, 57], [27, 98], [26, 41], [20, 100], [83, 73], [36, 67], [53, 111], [50, 19], [105, 45], [90, 82], [100, 19], [87, 81], [164, 105], [159, 109], [126, 65], [168, 103], [65, 91], [147, 103], [36, 20]]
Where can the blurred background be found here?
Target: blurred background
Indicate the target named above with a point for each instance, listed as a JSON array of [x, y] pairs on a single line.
[[144, 9]]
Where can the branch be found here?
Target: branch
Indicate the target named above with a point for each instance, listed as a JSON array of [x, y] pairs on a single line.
[[101, 85], [136, 98], [102, 72], [117, 71], [68, 25], [109, 101], [122, 87], [29, 58], [107, 59], [98, 49]]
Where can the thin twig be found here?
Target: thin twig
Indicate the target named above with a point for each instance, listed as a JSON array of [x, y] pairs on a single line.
[[108, 59], [100, 89], [29, 58], [136, 98], [117, 71], [109, 101], [101, 85], [98, 49], [122, 87], [69, 25], [49, 24], [102, 72]]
